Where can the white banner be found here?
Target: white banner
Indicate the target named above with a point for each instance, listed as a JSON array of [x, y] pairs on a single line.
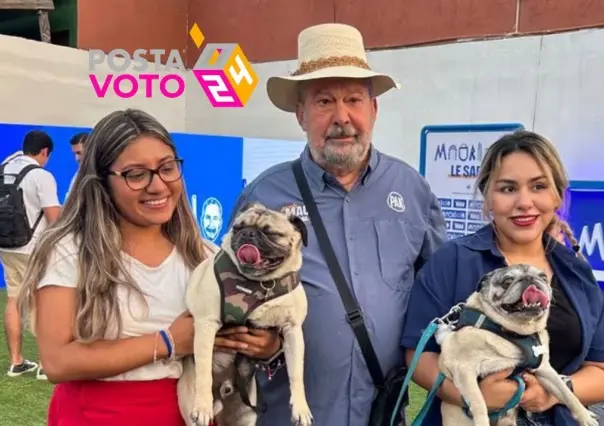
[[450, 158]]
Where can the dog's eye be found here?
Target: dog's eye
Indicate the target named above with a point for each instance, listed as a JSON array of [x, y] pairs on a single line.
[[506, 283]]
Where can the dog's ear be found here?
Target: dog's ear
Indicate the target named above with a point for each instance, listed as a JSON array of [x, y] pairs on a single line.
[[484, 280], [301, 227]]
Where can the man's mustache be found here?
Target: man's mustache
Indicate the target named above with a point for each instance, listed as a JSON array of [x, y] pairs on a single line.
[[338, 132]]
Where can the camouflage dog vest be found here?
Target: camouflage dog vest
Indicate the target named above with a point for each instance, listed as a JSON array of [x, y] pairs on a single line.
[[241, 296]]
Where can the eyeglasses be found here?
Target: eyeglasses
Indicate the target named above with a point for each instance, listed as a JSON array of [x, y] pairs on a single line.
[[139, 178]]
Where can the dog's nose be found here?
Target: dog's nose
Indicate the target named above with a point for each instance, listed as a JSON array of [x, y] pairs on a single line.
[[248, 233]]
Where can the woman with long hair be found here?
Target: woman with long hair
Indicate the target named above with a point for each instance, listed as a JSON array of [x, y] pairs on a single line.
[[523, 182], [105, 286]]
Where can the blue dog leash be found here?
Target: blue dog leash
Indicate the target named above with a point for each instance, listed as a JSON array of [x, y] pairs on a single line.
[[446, 321]]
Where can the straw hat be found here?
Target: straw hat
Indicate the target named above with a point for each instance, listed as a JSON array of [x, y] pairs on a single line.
[[324, 51]]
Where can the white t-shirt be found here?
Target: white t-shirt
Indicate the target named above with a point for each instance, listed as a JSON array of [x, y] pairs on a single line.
[[164, 286], [39, 191]]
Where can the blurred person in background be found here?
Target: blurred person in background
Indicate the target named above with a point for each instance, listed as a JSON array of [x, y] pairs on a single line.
[[30, 205], [77, 148]]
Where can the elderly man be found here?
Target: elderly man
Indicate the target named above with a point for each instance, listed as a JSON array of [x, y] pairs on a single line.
[[381, 218]]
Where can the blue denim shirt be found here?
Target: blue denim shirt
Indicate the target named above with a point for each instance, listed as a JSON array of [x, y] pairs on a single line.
[[453, 272], [381, 231]]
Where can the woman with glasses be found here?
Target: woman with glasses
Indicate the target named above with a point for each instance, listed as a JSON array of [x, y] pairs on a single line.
[[105, 287]]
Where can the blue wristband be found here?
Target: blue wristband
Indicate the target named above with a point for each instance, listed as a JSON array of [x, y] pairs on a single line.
[[164, 336]]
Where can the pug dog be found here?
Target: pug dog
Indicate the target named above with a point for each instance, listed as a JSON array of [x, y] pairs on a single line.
[[518, 299], [258, 265]]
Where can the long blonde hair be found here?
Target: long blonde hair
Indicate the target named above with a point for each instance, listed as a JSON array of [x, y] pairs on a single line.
[[91, 218], [545, 154]]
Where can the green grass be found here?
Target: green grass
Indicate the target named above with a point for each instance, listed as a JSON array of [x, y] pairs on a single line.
[[24, 400]]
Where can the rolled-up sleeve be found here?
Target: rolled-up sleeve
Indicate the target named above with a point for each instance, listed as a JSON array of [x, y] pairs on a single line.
[[432, 296], [596, 350]]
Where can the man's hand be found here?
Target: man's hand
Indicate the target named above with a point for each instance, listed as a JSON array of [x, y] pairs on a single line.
[[535, 399], [255, 343]]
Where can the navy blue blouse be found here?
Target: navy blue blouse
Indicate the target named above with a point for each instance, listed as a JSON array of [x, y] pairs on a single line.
[[453, 272]]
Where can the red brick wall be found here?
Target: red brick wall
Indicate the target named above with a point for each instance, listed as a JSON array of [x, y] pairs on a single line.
[[268, 30], [132, 24]]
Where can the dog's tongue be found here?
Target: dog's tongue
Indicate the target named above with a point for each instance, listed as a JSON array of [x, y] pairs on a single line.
[[533, 295], [249, 254]]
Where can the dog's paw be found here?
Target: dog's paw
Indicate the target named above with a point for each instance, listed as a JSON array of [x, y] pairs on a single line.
[[587, 418], [202, 412], [301, 415]]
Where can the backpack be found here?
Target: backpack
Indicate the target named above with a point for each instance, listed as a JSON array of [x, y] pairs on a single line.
[[15, 230]]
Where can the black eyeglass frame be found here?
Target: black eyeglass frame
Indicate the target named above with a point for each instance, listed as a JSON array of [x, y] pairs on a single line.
[[124, 173]]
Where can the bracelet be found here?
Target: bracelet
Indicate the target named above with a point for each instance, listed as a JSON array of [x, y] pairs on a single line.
[[169, 342], [275, 364]]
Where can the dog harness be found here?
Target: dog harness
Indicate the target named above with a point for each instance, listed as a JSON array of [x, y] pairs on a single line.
[[530, 345], [241, 296], [462, 316]]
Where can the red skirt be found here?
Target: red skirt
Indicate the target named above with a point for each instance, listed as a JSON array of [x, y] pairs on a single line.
[[115, 403]]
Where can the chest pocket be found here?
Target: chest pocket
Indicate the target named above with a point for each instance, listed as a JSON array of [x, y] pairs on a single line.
[[399, 244]]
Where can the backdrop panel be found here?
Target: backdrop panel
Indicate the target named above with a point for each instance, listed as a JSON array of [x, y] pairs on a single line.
[[586, 219]]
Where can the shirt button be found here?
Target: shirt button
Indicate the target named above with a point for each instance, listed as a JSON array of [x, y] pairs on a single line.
[[351, 237], [347, 199], [356, 272]]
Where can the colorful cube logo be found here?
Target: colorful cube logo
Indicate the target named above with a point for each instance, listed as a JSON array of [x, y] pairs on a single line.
[[224, 73]]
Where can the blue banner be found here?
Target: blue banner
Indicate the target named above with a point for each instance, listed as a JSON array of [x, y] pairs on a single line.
[[586, 219], [213, 176], [213, 167]]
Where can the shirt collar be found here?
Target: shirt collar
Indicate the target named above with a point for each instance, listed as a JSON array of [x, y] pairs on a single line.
[[28, 159], [320, 177]]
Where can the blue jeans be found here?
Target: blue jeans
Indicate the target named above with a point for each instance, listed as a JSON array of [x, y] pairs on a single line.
[[599, 410], [546, 419], [535, 419]]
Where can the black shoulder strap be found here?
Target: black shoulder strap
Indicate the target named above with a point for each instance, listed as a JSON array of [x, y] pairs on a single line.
[[353, 311], [25, 171], [18, 180]]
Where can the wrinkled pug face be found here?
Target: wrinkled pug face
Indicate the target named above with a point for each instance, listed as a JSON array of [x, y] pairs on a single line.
[[263, 239], [520, 291]]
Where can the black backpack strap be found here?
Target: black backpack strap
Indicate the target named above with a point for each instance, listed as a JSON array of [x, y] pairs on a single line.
[[353, 311], [18, 180], [25, 171]]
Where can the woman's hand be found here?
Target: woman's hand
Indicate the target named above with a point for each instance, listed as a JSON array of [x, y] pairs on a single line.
[[536, 399], [497, 389], [252, 342], [183, 332]]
